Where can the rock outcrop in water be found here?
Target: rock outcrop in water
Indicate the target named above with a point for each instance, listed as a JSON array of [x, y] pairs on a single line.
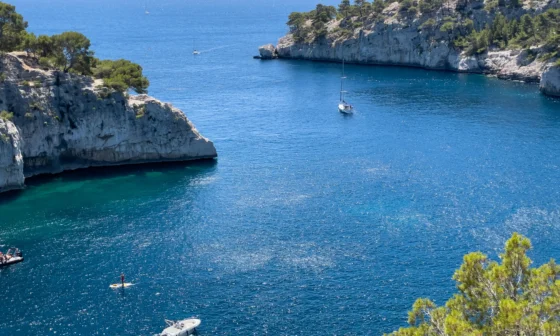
[[268, 52], [63, 121], [397, 37], [550, 82]]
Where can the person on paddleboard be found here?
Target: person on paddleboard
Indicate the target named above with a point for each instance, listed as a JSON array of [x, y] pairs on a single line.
[[122, 279]]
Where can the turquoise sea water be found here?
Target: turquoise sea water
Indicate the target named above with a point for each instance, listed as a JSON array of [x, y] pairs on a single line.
[[309, 222]]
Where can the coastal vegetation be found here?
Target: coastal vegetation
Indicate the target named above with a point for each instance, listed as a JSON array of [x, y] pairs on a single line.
[[532, 30], [5, 115], [506, 298], [68, 52]]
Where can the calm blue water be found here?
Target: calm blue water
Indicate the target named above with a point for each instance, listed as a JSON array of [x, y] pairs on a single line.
[[310, 222]]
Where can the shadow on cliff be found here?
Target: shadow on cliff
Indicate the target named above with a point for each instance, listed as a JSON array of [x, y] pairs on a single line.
[[185, 168]]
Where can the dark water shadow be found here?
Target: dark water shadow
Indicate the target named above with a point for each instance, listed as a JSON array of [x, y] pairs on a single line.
[[9, 196], [100, 173]]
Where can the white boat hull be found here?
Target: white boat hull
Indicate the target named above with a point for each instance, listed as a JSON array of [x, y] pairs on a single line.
[[342, 108], [181, 328], [11, 261]]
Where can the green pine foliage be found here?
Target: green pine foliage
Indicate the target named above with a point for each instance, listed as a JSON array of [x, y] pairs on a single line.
[[121, 75], [541, 30], [12, 27], [69, 52], [506, 298], [311, 24]]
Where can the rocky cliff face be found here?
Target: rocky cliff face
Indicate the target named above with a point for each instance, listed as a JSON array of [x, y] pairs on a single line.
[[11, 161], [64, 121], [410, 41]]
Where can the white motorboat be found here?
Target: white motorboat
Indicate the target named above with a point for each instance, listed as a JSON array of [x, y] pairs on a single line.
[[196, 52], [343, 106], [180, 328], [10, 259]]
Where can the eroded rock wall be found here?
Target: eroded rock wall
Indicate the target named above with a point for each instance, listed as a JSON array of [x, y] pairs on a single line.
[[66, 122], [410, 41]]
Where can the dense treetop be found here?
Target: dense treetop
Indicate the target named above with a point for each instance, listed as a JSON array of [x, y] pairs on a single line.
[[506, 298], [454, 19], [68, 52]]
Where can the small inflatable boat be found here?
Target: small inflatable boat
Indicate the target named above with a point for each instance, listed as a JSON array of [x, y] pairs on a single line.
[[180, 328], [11, 261]]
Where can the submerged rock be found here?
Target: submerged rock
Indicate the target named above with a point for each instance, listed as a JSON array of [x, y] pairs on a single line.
[[66, 121], [268, 52]]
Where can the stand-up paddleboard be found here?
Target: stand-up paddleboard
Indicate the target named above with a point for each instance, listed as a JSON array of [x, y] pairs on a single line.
[[126, 285]]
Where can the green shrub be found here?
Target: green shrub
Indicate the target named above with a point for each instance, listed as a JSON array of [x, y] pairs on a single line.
[[491, 5], [140, 110], [428, 24], [357, 24], [28, 115], [35, 106], [121, 75], [25, 83], [2, 77], [428, 6], [7, 116], [45, 63], [447, 27], [405, 5], [412, 11]]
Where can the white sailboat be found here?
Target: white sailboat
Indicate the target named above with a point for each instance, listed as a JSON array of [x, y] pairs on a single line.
[[343, 106]]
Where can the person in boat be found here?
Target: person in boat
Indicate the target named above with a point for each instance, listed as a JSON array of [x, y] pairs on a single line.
[[18, 253], [1, 257], [9, 254]]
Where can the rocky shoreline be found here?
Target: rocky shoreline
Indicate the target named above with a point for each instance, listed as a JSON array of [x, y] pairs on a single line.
[[404, 41], [55, 121]]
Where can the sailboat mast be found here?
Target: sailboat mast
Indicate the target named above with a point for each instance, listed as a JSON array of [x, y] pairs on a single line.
[[342, 82]]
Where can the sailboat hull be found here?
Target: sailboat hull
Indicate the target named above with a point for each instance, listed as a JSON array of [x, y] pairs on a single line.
[[343, 108]]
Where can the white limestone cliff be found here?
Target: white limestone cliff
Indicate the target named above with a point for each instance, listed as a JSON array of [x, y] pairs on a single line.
[[65, 122], [11, 161], [396, 39], [550, 82]]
